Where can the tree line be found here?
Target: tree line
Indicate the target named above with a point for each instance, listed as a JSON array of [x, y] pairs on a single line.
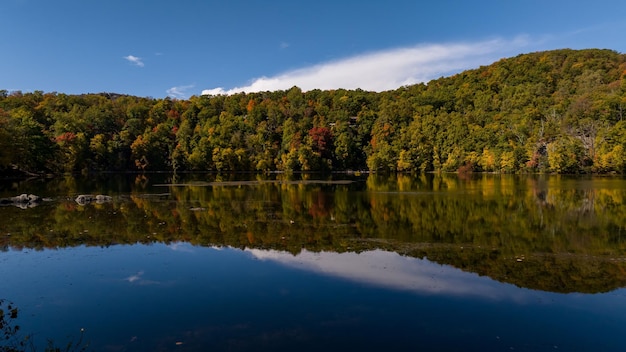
[[556, 111]]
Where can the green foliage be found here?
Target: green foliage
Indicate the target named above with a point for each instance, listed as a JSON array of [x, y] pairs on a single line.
[[564, 155], [555, 111], [6, 141]]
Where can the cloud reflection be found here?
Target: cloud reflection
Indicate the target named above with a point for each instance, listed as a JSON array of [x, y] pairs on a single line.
[[137, 279], [181, 247], [391, 270]]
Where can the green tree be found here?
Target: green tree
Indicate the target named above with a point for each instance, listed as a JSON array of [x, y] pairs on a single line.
[[565, 154]]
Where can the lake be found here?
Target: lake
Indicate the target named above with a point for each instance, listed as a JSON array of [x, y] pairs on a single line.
[[307, 263]]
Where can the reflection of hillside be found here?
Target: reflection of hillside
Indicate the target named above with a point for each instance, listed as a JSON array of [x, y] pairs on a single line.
[[552, 235], [554, 272]]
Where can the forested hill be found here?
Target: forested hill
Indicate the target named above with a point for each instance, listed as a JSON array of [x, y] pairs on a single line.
[[555, 111]]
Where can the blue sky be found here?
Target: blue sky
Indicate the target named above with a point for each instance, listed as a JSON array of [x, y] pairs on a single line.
[[181, 48]]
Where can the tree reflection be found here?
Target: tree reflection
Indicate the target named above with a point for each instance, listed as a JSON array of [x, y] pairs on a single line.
[[550, 233], [14, 340], [10, 334]]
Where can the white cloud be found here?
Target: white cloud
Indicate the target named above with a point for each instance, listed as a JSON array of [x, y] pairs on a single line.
[[180, 92], [216, 91], [388, 69], [134, 60]]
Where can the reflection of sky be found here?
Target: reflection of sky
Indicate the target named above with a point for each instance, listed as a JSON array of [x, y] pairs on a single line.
[[180, 247], [139, 279], [389, 269], [135, 277], [152, 294]]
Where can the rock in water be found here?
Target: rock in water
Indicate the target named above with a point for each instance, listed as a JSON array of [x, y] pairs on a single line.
[[100, 198], [22, 198], [84, 199]]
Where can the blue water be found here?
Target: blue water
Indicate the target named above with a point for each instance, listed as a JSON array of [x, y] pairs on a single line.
[[186, 298]]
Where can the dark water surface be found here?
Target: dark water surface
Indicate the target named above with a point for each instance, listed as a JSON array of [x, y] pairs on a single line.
[[423, 263]]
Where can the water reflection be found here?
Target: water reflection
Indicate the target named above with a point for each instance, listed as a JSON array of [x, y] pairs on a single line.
[[391, 270], [432, 262], [548, 233], [180, 296]]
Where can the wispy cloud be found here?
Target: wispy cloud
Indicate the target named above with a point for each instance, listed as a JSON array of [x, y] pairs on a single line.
[[134, 60], [180, 92], [388, 69]]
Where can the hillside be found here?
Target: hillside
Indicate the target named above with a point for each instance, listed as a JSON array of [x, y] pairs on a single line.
[[556, 111]]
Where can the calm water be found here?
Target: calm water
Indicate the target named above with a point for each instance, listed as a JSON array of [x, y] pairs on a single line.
[[424, 263]]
